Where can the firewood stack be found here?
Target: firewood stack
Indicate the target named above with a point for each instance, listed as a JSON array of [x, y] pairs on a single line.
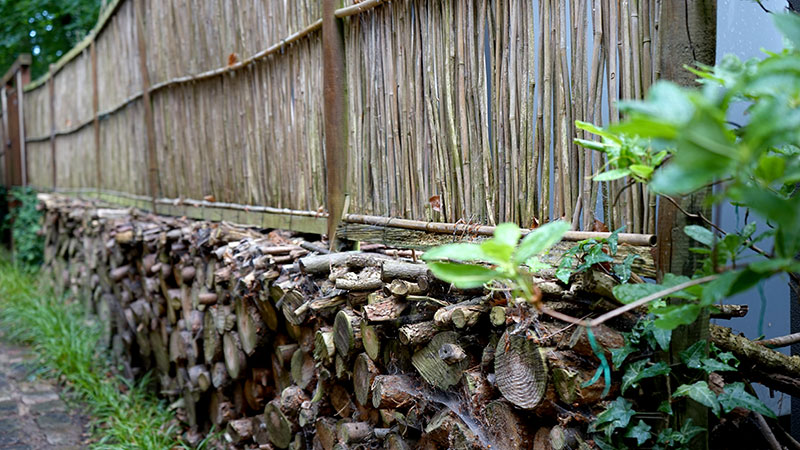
[[282, 345]]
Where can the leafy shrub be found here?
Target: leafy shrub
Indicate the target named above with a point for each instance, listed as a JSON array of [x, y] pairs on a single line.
[[24, 219]]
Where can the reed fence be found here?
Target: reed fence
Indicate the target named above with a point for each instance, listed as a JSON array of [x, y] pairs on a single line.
[[456, 111]]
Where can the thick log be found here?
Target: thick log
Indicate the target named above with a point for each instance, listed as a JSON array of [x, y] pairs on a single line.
[[320, 264], [235, 360], [302, 369], [239, 430], [364, 373], [433, 368], [764, 365], [346, 332], [324, 346], [252, 330], [292, 398], [350, 432], [212, 341], [392, 270], [394, 391], [402, 288], [200, 377], [371, 340], [728, 311], [384, 310], [280, 429], [520, 370], [417, 333], [325, 428]]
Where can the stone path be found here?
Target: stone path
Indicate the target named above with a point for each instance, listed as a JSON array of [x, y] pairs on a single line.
[[32, 413]]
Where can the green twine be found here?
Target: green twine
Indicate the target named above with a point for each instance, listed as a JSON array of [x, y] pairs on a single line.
[[604, 368]]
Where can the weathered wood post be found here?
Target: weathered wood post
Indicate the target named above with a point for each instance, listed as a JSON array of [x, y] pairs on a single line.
[[96, 119], [17, 76], [335, 110], [152, 164], [51, 89], [687, 35]]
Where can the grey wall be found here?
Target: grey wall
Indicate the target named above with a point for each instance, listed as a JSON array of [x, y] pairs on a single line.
[[744, 29]]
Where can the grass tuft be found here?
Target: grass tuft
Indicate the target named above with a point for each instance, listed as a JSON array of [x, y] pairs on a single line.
[[124, 414]]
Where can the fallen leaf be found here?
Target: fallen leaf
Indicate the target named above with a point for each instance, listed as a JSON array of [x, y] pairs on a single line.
[[599, 226], [436, 203], [233, 58]]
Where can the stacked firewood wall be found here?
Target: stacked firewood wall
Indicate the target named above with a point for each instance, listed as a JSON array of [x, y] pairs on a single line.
[[269, 337]]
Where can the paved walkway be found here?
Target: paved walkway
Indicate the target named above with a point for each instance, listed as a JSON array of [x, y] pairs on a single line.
[[32, 413]]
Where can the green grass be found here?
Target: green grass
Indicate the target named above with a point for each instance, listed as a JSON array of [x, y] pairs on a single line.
[[123, 414]]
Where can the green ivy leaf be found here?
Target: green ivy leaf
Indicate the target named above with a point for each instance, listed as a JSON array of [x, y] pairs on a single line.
[[540, 240], [734, 395], [618, 355], [639, 370], [701, 393], [563, 274], [464, 276], [662, 337], [629, 293], [623, 270], [713, 365], [617, 415], [672, 317], [693, 356], [641, 432], [700, 234], [537, 265], [665, 407]]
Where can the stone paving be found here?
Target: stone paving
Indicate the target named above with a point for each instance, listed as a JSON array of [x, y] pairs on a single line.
[[32, 413]]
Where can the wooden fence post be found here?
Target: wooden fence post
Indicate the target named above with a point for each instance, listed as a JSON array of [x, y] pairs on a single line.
[[52, 92], [335, 111], [152, 166], [14, 119], [687, 35], [96, 121]]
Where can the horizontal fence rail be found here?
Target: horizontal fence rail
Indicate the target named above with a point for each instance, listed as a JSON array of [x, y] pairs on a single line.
[[455, 111]]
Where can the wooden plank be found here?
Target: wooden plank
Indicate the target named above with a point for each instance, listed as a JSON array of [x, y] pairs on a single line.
[[152, 164], [335, 111], [300, 221]]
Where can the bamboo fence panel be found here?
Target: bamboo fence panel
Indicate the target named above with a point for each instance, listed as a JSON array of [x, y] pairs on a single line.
[[75, 159], [217, 32], [258, 152], [40, 167], [122, 157], [72, 100], [118, 75], [37, 113], [464, 111], [458, 111]]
